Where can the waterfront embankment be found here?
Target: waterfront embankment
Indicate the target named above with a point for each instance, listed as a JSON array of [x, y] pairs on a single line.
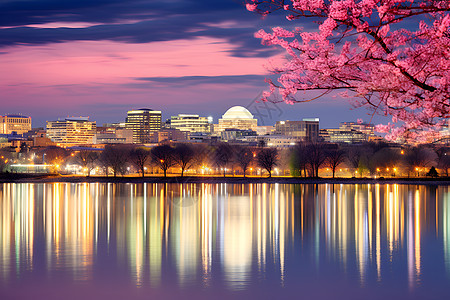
[[28, 178]]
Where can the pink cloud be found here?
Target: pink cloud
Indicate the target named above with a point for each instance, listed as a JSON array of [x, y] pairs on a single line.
[[86, 62]]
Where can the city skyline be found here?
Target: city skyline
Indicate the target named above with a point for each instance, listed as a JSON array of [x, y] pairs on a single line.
[[263, 112], [177, 57]]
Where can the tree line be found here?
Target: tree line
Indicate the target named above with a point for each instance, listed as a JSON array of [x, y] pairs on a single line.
[[305, 159], [118, 158]]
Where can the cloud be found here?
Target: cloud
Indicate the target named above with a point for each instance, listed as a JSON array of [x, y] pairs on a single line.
[[130, 22], [198, 80]]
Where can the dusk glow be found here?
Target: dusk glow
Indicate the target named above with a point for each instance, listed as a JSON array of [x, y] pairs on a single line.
[[177, 57]]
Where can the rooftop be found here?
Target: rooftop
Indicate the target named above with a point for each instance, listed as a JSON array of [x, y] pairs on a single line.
[[237, 112]]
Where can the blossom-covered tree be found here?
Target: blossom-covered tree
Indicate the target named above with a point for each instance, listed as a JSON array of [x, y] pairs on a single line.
[[392, 56]]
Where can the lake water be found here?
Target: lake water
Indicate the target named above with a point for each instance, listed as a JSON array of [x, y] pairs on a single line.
[[266, 241]]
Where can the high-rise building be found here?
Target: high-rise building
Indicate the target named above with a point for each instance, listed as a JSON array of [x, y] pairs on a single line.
[[305, 130], [143, 121], [71, 131], [191, 123], [17, 123], [237, 117]]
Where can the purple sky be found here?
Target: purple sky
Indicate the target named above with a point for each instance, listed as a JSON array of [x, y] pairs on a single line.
[[101, 58]]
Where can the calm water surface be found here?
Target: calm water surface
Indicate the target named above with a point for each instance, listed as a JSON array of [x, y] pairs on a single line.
[[267, 241]]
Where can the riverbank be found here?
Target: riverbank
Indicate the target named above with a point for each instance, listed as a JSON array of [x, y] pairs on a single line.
[[43, 178]]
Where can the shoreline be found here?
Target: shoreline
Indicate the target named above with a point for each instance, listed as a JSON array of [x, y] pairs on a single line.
[[26, 178]]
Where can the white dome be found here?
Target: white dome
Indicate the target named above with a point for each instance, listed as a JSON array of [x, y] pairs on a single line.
[[237, 112]]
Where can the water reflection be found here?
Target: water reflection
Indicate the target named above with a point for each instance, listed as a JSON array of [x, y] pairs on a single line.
[[220, 234]]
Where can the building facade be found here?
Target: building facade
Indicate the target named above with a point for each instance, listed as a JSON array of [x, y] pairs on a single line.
[[71, 131], [143, 122], [237, 117], [343, 136], [306, 130], [168, 134], [190, 123], [14, 123], [230, 134], [112, 135], [366, 128]]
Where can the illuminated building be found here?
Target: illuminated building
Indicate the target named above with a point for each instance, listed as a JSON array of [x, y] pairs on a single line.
[[342, 136], [113, 135], [71, 131], [349, 133], [143, 121], [191, 123], [17, 123], [367, 129], [40, 139], [237, 117], [233, 134], [276, 141], [305, 130], [168, 134]]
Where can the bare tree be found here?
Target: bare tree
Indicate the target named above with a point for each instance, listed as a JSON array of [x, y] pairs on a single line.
[[203, 155], [244, 156], [5, 159], [417, 158], [222, 156], [55, 156], [164, 157], [299, 159], [184, 156], [267, 159], [87, 159], [334, 158], [443, 159], [315, 154], [140, 156], [385, 160], [358, 158], [116, 158]]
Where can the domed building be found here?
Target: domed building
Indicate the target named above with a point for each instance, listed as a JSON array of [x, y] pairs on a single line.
[[237, 117]]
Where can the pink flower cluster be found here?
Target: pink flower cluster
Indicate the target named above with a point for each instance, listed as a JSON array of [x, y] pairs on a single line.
[[364, 47]]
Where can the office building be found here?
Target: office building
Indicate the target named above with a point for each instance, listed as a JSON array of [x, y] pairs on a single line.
[[143, 122], [366, 128], [168, 134], [349, 133], [113, 135], [71, 131], [306, 130], [191, 123], [14, 123], [342, 136]]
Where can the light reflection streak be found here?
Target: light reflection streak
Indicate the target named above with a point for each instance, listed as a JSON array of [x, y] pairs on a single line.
[[417, 233], [446, 228], [244, 228]]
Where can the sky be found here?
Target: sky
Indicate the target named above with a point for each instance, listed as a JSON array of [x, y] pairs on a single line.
[[101, 58]]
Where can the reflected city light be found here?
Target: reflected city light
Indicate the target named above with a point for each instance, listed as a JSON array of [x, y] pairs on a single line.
[[206, 232]]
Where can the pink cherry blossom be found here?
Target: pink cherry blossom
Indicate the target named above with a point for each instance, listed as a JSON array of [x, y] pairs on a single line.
[[391, 56]]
